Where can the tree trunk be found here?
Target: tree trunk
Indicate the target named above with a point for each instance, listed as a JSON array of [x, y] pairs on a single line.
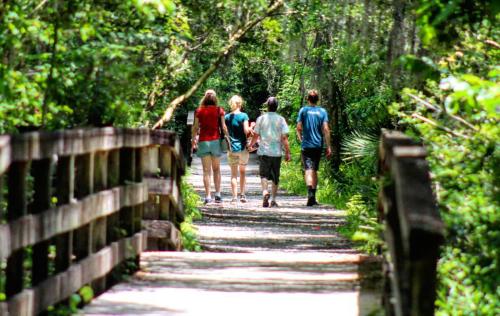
[[396, 42], [366, 33]]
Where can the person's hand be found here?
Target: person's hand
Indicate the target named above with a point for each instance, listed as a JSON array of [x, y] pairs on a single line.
[[288, 156], [194, 144], [328, 152]]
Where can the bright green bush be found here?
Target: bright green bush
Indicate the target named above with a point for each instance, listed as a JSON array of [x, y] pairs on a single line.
[[191, 212], [458, 121]]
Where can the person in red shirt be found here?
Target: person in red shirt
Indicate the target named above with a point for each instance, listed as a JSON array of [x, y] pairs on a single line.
[[206, 141]]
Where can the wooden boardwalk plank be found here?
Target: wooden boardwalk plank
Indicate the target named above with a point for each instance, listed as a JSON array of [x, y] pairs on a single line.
[[289, 260]]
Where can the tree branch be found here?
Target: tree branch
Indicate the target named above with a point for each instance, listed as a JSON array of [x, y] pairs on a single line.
[[226, 52], [433, 123], [431, 107]]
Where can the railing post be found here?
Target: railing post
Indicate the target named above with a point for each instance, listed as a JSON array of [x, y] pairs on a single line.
[[84, 185], [127, 175], [413, 227], [139, 176], [100, 183], [165, 164], [65, 178], [41, 170], [112, 230], [99, 226], [17, 207], [189, 123]]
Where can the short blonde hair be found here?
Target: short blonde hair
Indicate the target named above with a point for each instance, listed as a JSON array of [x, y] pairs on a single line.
[[235, 102]]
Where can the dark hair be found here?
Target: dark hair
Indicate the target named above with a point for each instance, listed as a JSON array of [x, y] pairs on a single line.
[[312, 96], [210, 98], [272, 104]]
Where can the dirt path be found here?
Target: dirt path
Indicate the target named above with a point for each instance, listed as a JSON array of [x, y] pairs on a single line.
[[257, 261]]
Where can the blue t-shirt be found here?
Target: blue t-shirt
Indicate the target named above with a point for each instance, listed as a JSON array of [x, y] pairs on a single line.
[[234, 123], [312, 118]]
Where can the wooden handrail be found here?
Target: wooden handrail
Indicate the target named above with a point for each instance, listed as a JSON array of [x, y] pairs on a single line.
[[413, 230], [81, 193]]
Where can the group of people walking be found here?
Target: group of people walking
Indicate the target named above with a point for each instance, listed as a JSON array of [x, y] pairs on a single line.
[[211, 124]]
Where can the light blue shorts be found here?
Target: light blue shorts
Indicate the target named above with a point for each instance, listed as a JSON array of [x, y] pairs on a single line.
[[211, 148]]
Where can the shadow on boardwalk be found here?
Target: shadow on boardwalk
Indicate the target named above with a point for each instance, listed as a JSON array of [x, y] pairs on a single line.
[[256, 261]]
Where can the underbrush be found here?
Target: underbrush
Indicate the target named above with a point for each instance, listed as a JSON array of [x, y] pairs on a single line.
[[353, 189], [191, 212]]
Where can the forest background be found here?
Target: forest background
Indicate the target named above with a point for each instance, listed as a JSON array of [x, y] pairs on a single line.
[[428, 67]]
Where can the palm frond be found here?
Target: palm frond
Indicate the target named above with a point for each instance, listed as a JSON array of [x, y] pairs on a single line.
[[360, 146]]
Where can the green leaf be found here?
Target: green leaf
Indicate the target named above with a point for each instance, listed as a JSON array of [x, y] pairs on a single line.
[[86, 31]]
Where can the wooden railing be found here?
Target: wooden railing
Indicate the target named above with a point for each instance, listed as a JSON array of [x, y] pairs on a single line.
[[413, 230], [74, 203]]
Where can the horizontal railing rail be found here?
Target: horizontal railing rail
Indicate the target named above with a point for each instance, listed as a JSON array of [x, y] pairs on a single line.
[[73, 202]]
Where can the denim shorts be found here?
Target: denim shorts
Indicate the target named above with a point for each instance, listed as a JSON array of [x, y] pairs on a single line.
[[209, 148]]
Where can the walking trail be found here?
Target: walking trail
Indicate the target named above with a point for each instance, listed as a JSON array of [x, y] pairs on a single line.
[[289, 260]]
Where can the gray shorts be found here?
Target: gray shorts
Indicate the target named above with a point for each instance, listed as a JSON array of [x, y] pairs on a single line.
[[269, 168]]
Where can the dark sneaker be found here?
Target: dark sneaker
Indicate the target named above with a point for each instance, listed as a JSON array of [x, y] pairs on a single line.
[[265, 201], [218, 199], [311, 201], [274, 204]]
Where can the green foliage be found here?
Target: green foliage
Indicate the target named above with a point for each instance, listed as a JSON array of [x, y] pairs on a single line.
[[86, 293], [362, 226], [68, 64], [191, 202], [442, 21], [76, 301], [291, 179], [458, 121]]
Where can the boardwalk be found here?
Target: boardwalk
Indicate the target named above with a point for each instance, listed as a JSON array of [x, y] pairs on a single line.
[[257, 261]]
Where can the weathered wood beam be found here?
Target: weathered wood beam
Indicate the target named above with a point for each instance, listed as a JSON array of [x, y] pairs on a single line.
[[62, 285], [34, 228]]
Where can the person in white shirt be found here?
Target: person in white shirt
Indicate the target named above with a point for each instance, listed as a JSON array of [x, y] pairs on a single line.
[[271, 131]]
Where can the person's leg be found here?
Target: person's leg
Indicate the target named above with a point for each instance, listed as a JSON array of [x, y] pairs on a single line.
[[311, 178], [206, 163], [264, 175], [310, 160], [233, 164], [217, 177], [216, 153], [234, 181], [265, 192], [265, 186], [275, 172], [274, 191], [242, 169], [243, 160]]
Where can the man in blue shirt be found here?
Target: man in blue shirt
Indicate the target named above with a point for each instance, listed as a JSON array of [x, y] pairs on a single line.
[[312, 131]]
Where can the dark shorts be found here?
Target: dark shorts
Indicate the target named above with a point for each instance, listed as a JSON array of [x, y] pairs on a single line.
[[311, 158], [269, 168]]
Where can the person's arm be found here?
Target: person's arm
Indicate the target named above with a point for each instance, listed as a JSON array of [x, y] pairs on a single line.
[[246, 128], [223, 124], [255, 138], [326, 134], [299, 131], [284, 141], [194, 133]]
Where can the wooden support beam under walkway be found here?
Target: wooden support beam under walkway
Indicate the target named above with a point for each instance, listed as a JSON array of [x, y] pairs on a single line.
[[289, 260]]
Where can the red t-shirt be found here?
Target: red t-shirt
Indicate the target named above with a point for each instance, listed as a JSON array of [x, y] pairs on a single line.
[[208, 120]]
